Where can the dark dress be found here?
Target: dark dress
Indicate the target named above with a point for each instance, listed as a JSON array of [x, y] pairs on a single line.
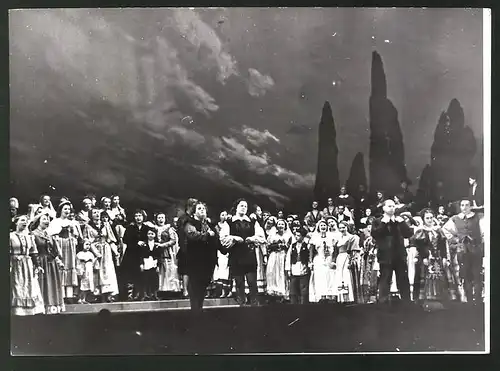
[[242, 258], [50, 280], [130, 270]]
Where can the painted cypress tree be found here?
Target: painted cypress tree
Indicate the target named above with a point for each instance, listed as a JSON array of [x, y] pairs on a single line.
[[327, 175], [452, 152], [387, 156], [357, 175]]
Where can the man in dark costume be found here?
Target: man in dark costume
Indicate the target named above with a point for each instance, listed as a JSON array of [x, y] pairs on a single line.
[[389, 233]]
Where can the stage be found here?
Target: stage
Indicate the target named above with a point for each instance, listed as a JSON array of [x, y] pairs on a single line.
[[286, 328]]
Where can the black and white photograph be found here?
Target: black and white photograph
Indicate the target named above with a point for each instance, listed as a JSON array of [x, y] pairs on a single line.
[[189, 181]]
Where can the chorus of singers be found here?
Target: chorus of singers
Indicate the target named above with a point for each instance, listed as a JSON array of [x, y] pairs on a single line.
[[352, 250]]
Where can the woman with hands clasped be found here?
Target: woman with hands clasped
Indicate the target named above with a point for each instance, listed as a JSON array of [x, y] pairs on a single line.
[[240, 237], [430, 277], [348, 264], [322, 282], [279, 241]]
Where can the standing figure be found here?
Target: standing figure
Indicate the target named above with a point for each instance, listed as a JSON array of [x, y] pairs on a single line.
[[221, 274], [297, 268], [322, 282], [330, 208], [344, 199], [85, 269], [314, 216], [260, 249], [150, 254], [47, 207], [348, 263], [51, 263], [103, 244], [441, 216], [369, 267], [83, 216], [26, 297], [133, 242], [169, 246], [240, 237], [202, 244], [65, 234], [466, 252], [181, 254], [430, 275], [389, 233], [278, 244]]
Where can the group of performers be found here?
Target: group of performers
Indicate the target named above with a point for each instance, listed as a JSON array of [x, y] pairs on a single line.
[[350, 251]]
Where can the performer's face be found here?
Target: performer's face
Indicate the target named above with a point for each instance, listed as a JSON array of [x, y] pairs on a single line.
[[368, 212], [44, 221], [315, 205], [330, 202], [465, 206], [343, 191], [323, 227], [116, 200], [428, 219], [138, 217], [242, 208], [96, 215], [151, 235], [22, 222], [87, 204], [281, 226], [66, 209], [389, 207], [201, 211], [258, 211], [106, 203], [441, 210], [160, 219], [46, 201], [342, 228], [223, 216]]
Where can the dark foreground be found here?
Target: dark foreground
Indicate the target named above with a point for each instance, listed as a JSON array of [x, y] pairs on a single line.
[[274, 328]]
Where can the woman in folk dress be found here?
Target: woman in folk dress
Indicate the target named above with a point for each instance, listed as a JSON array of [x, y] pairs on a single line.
[[103, 244], [51, 263], [369, 267], [348, 261], [432, 255], [221, 273], [278, 243], [168, 243], [26, 297], [65, 235], [260, 250], [322, 285]]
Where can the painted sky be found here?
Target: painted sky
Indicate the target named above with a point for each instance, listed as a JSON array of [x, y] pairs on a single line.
[[104, 97]]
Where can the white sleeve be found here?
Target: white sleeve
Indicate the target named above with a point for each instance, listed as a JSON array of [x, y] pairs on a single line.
[[449, 229], [54, 227], [259, 233], [224, 230]]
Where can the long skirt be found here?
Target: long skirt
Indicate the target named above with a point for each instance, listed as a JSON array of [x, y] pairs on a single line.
[[434, 285], [322, 282], [51, 285], [368, 279], [67, 247], [261, 269], [169, 276], [105, 279], [277, 283], [343, 279], [222, 269], [26, 296]]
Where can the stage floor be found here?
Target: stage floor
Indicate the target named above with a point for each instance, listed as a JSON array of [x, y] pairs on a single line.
[[313, 328]]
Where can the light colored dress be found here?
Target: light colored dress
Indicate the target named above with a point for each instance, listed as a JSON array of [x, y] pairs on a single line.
[[168, 270], [85, 270], [322, 282], [26, 296], [347, 247], [103, 242], [277, 284], [65, 233]]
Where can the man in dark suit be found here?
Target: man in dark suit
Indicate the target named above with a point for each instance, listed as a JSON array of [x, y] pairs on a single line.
[[476, 192], [389, 233]]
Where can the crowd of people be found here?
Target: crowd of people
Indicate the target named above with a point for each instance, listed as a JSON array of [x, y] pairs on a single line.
[[354, 250]]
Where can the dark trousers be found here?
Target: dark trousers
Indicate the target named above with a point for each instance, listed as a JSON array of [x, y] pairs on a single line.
[[197, 287], [240, 287], [470, 272], [128, 285], [417, 280], [149, 283], [299, 289], [399, 266]]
